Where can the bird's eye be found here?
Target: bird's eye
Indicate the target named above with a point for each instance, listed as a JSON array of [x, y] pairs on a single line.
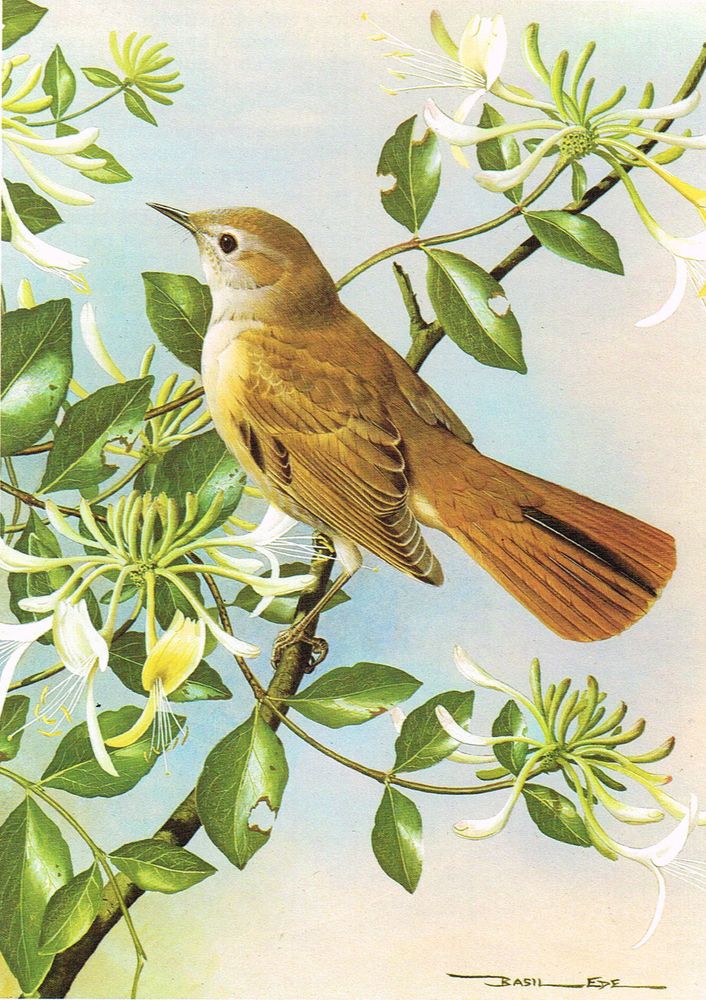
[[228, 243]]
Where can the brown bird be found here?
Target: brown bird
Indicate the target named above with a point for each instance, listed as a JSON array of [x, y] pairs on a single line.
[[340, 433]]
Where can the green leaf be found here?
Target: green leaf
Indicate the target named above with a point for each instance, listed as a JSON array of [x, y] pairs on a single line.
[[415, 165], [281, 610], [499, 154], [555, 815], [74, 769], [137, 107], [201, 465], [14, 715], [59, 82], [156, 866], [422, 742], [34, 863], [112, 173], [71, 911], [577, 238], [510, 722], [473, 310], [116, 411], [348, 696], [169, 600], [178, 308], [578, 180], [246, 768], [127, 657], [38, 540], [397, 838], [101, 77], [19, 17], [36, 212], [35, 369]]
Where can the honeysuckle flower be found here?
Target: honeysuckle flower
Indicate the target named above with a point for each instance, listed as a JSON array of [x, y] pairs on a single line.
[[140, 66], [95, 344], [474, 64], [588, 747], [171, 661], [82, 651]]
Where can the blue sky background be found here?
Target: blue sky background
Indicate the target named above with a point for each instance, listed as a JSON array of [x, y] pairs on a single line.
[[282, 109]]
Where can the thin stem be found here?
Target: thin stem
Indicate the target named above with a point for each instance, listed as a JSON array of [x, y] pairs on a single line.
[[12, 476], [419, 243], [83, 111], [118, 484]]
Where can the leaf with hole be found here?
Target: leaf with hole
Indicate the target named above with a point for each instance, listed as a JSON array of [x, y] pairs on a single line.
[[422, 742], [397, 838], [157, 866], [114, 412], [474, 311], [35, 368], [415, 165], [347, 696], [245, 769]]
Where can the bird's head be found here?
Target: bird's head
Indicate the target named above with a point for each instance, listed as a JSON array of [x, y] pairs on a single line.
[[256, 264]]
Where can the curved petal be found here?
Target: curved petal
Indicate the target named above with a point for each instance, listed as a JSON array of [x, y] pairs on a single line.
[[67, 195], [140, 727], [230, 642], [275, 587], [675, 298], [59, 146], [477, 829], [15, 640], [659, 907], [503, 180], [94, 730], [95, 344], [677, 110], [79, 644], [457, 732], [176, 654]]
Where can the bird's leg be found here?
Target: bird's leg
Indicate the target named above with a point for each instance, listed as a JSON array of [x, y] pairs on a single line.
[[351, 560]]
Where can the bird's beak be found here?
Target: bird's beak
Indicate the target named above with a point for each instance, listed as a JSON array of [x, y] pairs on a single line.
[[175, 214]]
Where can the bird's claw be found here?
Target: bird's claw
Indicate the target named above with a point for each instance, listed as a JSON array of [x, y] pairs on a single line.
[[291, 636]]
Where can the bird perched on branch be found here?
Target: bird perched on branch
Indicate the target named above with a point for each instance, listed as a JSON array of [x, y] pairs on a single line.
[[339, 432]]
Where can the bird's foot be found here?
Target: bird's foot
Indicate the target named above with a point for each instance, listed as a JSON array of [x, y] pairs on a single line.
[[290, 637]]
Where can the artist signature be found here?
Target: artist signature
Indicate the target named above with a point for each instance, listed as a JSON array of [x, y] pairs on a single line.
[[589, 983]]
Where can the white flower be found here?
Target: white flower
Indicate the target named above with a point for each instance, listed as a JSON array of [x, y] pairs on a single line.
[[94, 343], [478, 829], [689, 257], [15, 640]]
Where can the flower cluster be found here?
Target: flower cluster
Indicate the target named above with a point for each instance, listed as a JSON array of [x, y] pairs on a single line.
[[141, 66], [577, 738], [567, 125], [142, 542]]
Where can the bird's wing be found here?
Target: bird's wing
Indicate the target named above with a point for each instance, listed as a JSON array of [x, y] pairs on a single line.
[[321, 435]]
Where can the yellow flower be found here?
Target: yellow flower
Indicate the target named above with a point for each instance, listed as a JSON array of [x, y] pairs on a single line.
[[172, 659]]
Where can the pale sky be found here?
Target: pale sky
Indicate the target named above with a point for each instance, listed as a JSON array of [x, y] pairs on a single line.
[[282, 109]]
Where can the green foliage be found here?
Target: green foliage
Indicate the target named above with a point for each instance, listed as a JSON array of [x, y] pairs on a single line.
[[136, 105], [101, 77], [201, 465], [113, 412], [71, 911], [577, 238], [463, 296], [555, 815], [73, 768], [19, 17], [579, 180], [499, 154], [127, 657], [35, 370], [246, 768], [169, 599], [157, 866], [422, 742], [14, 715], [397, 838], [59, 82], [112, 173], [510, 722], [415, 165], [347, 696], [281, 610], [178, 308], [36, 212], [34, 863]]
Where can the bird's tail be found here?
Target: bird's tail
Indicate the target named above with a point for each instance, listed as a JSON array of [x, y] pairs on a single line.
[[585, 570]]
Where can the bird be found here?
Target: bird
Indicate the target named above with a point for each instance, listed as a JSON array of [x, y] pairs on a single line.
[[339, 432]]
